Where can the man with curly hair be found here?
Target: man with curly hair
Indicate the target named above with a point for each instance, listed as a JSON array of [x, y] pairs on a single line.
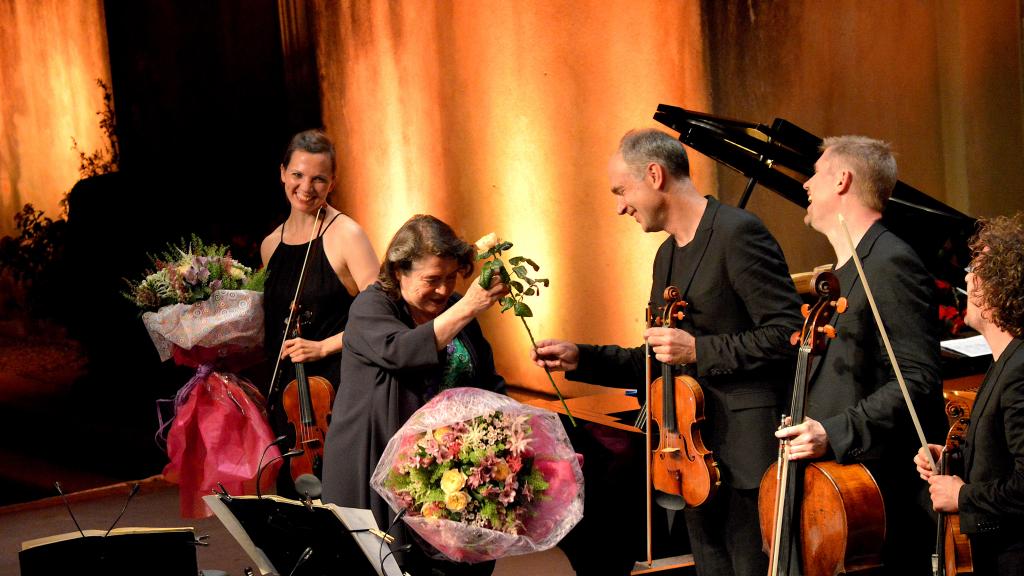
[[990, 496]]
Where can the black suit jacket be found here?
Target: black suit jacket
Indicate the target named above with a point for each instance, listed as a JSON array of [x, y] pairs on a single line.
[[853, 390], [742, 309], [992, 501]]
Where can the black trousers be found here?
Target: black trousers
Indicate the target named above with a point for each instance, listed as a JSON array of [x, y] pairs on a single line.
[[725, 534]]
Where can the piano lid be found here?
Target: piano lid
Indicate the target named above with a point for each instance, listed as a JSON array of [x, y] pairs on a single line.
[[781, 158]]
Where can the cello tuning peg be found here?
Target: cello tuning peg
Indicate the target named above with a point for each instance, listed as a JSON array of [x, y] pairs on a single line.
[[805, 309], [840, 305], [829, 331]]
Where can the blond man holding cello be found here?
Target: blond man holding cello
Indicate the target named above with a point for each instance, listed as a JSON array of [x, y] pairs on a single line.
[[855, 409]]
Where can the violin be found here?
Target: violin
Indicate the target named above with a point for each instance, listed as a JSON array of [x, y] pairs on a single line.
[[307, 400], [681, 467], [951, 546], [821, 518]]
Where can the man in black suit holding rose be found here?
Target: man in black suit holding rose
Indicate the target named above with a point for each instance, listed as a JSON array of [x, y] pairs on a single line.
[[742, 309]]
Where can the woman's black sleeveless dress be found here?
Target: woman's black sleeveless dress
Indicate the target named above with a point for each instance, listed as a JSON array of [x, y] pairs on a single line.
[[324, 305]]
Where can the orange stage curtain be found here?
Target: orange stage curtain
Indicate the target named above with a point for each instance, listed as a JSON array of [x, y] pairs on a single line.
[[51, 54], [501, 116]]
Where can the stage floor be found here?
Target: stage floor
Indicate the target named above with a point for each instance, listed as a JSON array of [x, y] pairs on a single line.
[[156, 505]]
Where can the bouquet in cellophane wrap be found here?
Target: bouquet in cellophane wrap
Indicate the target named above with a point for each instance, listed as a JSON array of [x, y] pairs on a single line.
[[205, 310], [482, 476]]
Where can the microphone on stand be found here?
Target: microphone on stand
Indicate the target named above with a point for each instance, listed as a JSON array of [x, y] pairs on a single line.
[[302, 559], [277, 442], [68, 506], [134, 491], [309, 488], [285, 456], [388, 538]]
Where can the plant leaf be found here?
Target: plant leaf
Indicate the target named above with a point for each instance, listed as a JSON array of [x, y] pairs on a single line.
[[515, 260], [507, 302], [521, 309], [485, 275], [521, 272]]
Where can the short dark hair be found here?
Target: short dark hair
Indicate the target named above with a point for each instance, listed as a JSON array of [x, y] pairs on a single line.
[[311, 141], [998, 267], [872, 163], [422, 235], [639, 147]]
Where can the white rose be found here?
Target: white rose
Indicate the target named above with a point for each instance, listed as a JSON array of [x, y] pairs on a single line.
[[487, 242]]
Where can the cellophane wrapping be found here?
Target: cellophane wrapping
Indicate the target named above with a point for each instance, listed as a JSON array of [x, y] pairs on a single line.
[[220, 427], [482, 476], [230, 321]]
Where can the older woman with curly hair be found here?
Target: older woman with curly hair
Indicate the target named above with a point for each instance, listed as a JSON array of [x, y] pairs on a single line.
[[409, 336], [990, 496]]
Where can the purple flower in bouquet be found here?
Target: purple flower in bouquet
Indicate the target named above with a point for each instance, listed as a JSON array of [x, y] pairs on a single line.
[[192, 273]]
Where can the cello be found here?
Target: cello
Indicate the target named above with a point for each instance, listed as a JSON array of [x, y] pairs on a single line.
[[819, 518], [681, 467], [952, 548]]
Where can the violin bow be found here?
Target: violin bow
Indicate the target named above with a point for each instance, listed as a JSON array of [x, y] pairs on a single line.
[[646, 424], [291, 309], [888, 346]]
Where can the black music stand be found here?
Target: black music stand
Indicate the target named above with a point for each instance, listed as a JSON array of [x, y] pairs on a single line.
[[124, 552], [276, 532]]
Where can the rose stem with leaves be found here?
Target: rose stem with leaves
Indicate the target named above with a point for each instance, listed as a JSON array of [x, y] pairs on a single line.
[[515, 299]]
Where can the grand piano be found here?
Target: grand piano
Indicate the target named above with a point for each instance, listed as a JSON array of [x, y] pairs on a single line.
[[781, 157]]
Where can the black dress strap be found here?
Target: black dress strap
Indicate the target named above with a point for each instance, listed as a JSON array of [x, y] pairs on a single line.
[[324, 230]]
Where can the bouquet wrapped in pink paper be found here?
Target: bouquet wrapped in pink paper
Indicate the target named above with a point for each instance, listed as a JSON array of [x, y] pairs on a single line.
[[482, 476], [206, 312]]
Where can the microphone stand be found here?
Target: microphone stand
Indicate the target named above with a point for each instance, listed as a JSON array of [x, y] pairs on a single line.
[[134, 491], [285, 456]]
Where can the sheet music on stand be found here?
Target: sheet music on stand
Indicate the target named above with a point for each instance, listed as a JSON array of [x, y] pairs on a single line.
[[276, 531]]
